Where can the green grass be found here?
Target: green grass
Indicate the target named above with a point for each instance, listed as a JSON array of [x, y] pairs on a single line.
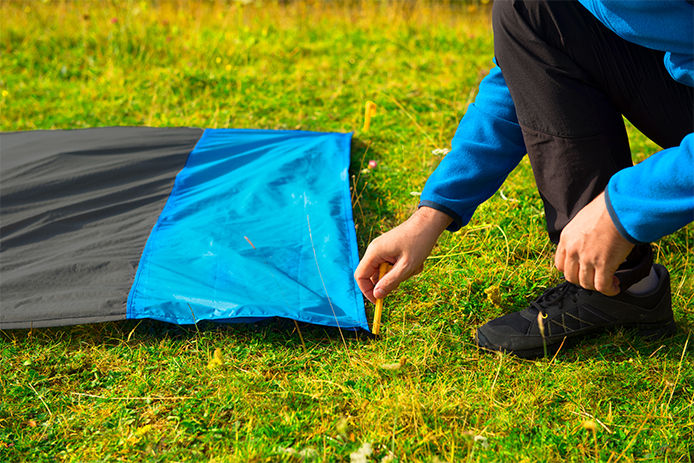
[[143, 391]]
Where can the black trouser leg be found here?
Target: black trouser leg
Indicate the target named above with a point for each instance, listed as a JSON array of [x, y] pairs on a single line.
[[571, 80]]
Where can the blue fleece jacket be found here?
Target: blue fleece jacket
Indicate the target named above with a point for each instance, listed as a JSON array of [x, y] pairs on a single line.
[[647, 201]]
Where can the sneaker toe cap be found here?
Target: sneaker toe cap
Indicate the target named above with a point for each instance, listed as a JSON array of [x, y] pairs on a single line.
[[507, 338]]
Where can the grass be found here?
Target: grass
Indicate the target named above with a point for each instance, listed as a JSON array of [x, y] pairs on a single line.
[[148, 391]]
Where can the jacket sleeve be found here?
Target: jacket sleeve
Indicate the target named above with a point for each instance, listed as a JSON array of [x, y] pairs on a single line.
[[655, 197], [487, 146]]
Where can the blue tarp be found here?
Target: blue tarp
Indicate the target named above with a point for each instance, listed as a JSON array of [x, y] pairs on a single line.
[[258, 224]]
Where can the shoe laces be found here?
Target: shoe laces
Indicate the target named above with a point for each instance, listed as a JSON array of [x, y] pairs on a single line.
[[556, 297]]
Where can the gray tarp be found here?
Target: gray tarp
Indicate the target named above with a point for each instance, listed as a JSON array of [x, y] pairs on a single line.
[[76, 208]]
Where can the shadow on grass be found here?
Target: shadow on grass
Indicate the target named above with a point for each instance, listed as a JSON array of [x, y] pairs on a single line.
[[274, 332], [620, 345], [617, 346], [623, 345], [368, 192]]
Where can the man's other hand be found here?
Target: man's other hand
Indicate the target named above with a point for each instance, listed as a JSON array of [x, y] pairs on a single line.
[[591, 249]]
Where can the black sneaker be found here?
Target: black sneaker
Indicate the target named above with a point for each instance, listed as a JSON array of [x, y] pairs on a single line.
[[567, 312]]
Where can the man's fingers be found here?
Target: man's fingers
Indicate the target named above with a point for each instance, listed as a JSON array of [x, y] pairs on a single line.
[[559, 257], [586, 277], [391, 280], [363, 275], [386, 285], [368, 282], [367, 288], [606, 282], [366, 275], [571, 269]]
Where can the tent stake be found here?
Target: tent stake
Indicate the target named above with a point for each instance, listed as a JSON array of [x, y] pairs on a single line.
[[300, 336], [382, 270]]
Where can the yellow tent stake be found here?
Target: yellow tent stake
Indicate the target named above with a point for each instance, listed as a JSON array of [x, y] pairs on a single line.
[[382, 270], [369, 112]]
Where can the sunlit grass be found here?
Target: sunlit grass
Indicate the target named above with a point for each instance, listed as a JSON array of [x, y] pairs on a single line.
[[127, 391]]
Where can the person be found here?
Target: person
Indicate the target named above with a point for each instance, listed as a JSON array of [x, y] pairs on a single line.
[[565, 75]]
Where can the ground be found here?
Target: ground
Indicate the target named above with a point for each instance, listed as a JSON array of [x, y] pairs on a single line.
[[422, 392]]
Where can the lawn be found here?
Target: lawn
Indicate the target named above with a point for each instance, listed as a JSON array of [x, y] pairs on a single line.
[[422, 392]]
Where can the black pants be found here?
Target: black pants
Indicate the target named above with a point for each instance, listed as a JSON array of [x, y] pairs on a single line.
[[572, 79]]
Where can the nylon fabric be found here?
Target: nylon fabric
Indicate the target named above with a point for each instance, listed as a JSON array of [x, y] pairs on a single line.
[[76, 208], [258, 224]]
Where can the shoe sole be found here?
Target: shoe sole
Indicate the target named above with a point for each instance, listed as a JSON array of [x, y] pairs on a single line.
[[649, 332]]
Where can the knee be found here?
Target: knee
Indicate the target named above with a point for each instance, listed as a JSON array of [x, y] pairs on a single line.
[[501, 11], [505, 16], [509, 24], [519, 22]]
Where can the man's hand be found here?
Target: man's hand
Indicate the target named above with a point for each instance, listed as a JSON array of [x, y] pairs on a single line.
[[591, 249], [406, 247]]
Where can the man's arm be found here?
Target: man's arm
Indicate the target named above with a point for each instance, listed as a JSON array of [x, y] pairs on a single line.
[[487, 146], [656, 196]]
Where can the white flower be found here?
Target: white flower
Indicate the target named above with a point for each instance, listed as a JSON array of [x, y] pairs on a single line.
[[360, 456]]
